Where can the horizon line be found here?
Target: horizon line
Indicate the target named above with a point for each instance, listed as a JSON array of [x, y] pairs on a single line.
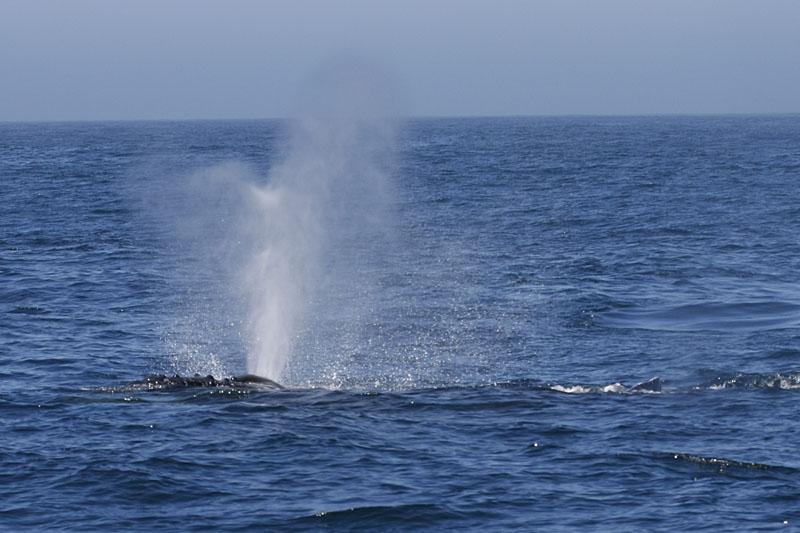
[[419, 117]]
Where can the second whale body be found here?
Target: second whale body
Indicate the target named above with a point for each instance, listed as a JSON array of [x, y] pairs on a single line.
[[163, 382]]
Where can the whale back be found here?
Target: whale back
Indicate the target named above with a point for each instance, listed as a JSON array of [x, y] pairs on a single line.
[[651, 385], [163, 382], [253, 379]]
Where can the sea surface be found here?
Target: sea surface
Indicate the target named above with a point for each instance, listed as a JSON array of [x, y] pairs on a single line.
[[458, 309]]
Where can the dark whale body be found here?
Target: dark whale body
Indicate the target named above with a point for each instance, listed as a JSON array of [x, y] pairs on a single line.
[[162, 382], [651, 385]]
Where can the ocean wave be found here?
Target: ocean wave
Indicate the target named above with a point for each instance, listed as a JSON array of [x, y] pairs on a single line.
[[777, 380], [419, 515], [720, 464], [617, 388], [707, 316]]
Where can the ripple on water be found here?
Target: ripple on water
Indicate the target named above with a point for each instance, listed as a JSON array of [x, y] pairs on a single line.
[[707, 316]]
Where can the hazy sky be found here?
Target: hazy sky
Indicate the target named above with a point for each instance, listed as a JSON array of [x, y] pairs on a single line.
[[176, 59]]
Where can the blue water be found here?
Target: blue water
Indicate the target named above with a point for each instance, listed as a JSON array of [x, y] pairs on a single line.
[[480, 304]]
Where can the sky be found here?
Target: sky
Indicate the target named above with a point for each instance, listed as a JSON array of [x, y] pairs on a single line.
[[198, 59]]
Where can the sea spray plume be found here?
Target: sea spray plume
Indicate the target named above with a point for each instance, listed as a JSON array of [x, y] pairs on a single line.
[[318, 205], [205, 213], [256, 249], [279, 277], [248, 253]]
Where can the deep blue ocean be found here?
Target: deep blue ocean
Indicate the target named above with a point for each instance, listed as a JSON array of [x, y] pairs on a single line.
[[457, 308]]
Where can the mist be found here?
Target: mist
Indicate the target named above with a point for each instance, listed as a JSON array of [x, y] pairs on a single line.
[[289, 242]]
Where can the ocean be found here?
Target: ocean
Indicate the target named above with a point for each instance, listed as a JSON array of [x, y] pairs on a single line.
[[458, 309]]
